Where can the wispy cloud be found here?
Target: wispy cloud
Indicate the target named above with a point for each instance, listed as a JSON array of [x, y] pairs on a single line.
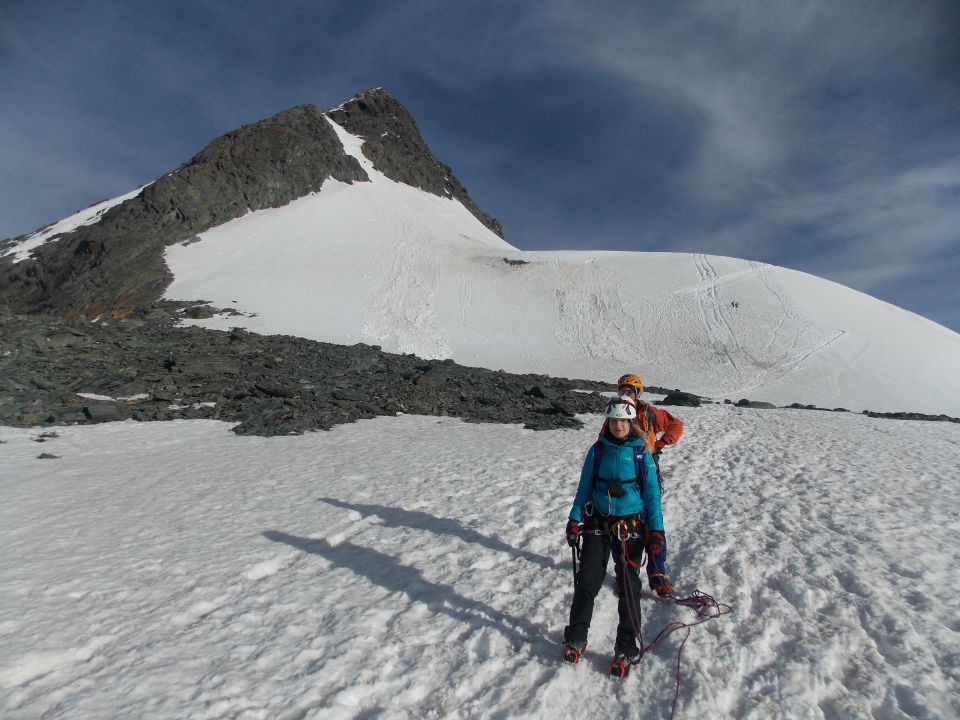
[[819, 135], [818, 129]]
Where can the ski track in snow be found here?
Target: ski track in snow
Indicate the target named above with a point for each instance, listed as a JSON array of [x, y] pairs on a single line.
[[716, 325], [402, 312], [415, 567], [796, 350], [592, 320], [747, 350]]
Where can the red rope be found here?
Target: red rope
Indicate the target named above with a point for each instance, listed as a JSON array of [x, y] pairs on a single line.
[[705, 606]]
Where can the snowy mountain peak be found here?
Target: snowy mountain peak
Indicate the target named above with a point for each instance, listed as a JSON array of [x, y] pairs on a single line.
[[343, 227], [110, 258], [392, 141]]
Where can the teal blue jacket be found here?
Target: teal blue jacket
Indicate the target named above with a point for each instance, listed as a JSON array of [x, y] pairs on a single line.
[[617, 463]]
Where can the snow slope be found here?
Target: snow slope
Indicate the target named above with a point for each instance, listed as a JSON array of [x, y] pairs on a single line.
[[387, 264], [415, 567]]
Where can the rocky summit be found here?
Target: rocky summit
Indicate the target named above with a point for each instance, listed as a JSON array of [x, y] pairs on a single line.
[[392, 141], [116, 265]]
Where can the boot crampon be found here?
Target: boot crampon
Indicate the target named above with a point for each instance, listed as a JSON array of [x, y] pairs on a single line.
[[573, 651], [620, 666]]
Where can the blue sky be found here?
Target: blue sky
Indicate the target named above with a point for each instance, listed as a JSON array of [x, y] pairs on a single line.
[[822, 136]]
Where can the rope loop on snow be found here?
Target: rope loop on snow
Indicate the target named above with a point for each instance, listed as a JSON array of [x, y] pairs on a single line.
[[704, 605]]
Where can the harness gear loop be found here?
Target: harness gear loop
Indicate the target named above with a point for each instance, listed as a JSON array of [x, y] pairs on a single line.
[[620, 531], [627, 529]]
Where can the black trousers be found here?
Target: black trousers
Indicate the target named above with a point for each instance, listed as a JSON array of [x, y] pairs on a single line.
[[594, 557]]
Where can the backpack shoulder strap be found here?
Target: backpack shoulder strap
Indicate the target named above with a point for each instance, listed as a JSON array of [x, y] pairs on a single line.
[[598, 449], [638, 451]]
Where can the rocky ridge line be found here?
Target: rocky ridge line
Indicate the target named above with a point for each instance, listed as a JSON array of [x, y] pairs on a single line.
[[116, 265], [392, 142]]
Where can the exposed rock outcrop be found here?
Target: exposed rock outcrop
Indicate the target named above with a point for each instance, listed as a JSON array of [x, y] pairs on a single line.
[[64, 371], [683, 399], [393, 143], [117, 264]]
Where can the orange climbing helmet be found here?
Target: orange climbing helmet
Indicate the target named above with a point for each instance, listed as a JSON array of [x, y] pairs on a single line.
[[631, 381]]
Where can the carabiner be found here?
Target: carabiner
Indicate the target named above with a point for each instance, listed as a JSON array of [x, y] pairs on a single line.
[[620, 531]]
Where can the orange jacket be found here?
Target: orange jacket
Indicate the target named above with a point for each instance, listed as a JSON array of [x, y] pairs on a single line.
[[663, 422]]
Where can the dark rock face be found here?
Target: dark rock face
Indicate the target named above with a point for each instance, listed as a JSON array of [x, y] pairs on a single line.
[[755, 404], [801, 406], [682, 399], [393, 143], [911, 416], [268, 385]]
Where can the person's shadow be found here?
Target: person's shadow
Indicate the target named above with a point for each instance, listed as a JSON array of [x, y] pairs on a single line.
[[398, 517], [389, 573]]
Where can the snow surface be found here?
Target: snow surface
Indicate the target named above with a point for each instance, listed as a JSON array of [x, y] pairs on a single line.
[[415, 567], [21, 249], [387, 264]]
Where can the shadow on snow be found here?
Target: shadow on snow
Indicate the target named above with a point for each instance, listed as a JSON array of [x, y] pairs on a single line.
[[394, 576], [398, 517]]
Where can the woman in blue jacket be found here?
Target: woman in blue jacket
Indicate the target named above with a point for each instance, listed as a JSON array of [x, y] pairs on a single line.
[[616, 510]]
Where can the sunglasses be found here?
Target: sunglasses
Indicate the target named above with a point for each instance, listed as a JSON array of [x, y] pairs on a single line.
[[627, 390]]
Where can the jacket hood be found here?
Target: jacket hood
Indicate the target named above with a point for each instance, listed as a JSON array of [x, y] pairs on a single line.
[[632, 442]]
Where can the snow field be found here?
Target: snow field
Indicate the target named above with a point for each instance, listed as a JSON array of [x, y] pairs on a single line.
[[415, 567]]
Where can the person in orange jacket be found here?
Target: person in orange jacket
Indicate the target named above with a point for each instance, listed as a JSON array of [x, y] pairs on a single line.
[[662, 429]]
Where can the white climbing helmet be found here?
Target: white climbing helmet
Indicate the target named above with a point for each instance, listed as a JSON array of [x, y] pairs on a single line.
[[621, 408]]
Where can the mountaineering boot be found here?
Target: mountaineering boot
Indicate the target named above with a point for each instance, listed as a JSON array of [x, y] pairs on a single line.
[[660, 584], [620, 666], [573, 651]]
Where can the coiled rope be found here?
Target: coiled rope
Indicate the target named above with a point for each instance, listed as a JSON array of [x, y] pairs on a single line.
[[704, 605]]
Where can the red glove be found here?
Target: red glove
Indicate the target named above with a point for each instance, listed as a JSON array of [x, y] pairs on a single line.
[[656, 542], [659, 446], [573, 533]]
